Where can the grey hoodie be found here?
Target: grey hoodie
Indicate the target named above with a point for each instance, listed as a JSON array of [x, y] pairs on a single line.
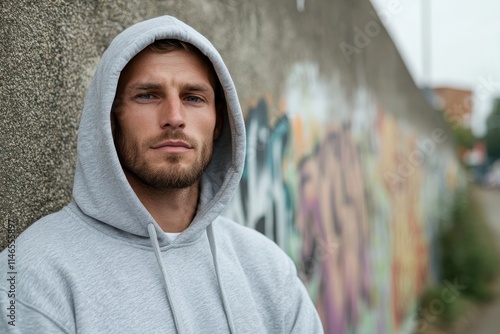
[[103, 265]]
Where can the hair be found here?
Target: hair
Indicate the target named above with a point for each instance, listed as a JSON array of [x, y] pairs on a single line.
[[169, 45]]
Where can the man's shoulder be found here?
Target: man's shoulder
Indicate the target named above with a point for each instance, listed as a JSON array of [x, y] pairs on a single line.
[[36, 260], [46, 238], [49, 228], [42, 254]]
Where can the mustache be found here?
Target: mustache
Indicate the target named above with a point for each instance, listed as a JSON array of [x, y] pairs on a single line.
[[170, 135]]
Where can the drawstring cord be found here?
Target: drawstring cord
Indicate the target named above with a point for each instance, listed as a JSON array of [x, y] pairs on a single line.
[[225, 303], [213, 250], [156, 247]]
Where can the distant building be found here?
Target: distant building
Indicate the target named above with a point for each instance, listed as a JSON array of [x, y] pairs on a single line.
[[456, 103]]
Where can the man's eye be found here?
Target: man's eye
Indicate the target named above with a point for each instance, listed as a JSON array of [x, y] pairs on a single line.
[[193, 99], [144, 96]]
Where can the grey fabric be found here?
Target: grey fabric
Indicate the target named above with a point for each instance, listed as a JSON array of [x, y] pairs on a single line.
[[103, 265]]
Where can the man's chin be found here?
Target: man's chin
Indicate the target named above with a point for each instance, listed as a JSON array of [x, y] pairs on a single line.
[[173, 176]]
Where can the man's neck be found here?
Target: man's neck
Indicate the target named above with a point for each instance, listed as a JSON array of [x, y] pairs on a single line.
[[172, 209]]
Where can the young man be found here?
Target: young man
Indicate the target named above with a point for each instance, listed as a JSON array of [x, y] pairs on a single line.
[[142, 248]]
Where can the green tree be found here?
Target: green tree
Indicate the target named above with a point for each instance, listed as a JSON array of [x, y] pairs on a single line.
[[463, 135]]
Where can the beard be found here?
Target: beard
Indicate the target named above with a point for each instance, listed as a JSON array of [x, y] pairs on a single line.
[[168, 176]]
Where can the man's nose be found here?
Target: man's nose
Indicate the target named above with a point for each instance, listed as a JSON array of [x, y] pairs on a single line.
[[172, 113]]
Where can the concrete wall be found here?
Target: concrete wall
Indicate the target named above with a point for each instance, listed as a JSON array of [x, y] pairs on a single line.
[[347, 165]]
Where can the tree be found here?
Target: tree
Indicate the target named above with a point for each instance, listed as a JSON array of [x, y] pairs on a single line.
[[463, 135]]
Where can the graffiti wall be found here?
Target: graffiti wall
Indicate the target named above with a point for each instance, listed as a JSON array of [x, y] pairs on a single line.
[[351, 193]]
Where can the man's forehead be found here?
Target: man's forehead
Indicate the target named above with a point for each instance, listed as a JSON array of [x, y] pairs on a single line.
[[137, 65]]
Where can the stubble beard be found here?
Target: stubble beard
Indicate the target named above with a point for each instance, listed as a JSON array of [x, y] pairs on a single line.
[[168, 176]]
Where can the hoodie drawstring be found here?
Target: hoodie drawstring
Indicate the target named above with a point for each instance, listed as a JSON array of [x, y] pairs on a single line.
[[225, 303], [154, 242], [213, 250]]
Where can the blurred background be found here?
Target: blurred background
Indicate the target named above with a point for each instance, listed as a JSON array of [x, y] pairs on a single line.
[[450, 50], [373, 135]]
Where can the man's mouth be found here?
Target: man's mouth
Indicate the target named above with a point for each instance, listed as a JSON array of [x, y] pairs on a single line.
[[173, 146]]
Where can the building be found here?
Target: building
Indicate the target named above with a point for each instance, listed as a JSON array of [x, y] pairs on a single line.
[[456, 103]]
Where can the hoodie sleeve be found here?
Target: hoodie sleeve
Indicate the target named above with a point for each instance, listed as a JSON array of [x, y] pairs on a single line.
[[301, 316], [26, 319]]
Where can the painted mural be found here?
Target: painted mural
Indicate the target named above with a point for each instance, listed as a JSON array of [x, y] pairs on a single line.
[[350, 193]]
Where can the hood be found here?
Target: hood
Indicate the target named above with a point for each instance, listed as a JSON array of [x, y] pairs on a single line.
[[101, 189]]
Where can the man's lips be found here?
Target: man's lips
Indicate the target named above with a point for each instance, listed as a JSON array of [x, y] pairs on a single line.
[[172, 146]]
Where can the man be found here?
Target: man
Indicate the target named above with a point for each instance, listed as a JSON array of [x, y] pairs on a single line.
[[142, 248]]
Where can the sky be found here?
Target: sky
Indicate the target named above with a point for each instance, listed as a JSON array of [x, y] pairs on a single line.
[[464, 46]]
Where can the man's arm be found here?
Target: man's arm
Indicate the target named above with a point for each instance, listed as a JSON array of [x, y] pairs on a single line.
[[302, 317], [25, 319]]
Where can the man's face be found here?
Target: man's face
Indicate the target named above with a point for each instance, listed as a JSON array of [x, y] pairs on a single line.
[[165, 120]]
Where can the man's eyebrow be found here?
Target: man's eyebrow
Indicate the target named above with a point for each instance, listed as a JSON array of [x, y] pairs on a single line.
[[145, 86], [197, 87]]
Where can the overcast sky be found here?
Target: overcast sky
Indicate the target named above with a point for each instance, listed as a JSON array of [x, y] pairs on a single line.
[[464, 44]]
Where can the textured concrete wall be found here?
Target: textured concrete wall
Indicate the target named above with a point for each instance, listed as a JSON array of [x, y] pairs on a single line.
[[348, 158]]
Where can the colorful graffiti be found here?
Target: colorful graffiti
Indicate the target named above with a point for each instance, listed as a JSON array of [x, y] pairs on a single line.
[[263, 200], [315, 181]]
